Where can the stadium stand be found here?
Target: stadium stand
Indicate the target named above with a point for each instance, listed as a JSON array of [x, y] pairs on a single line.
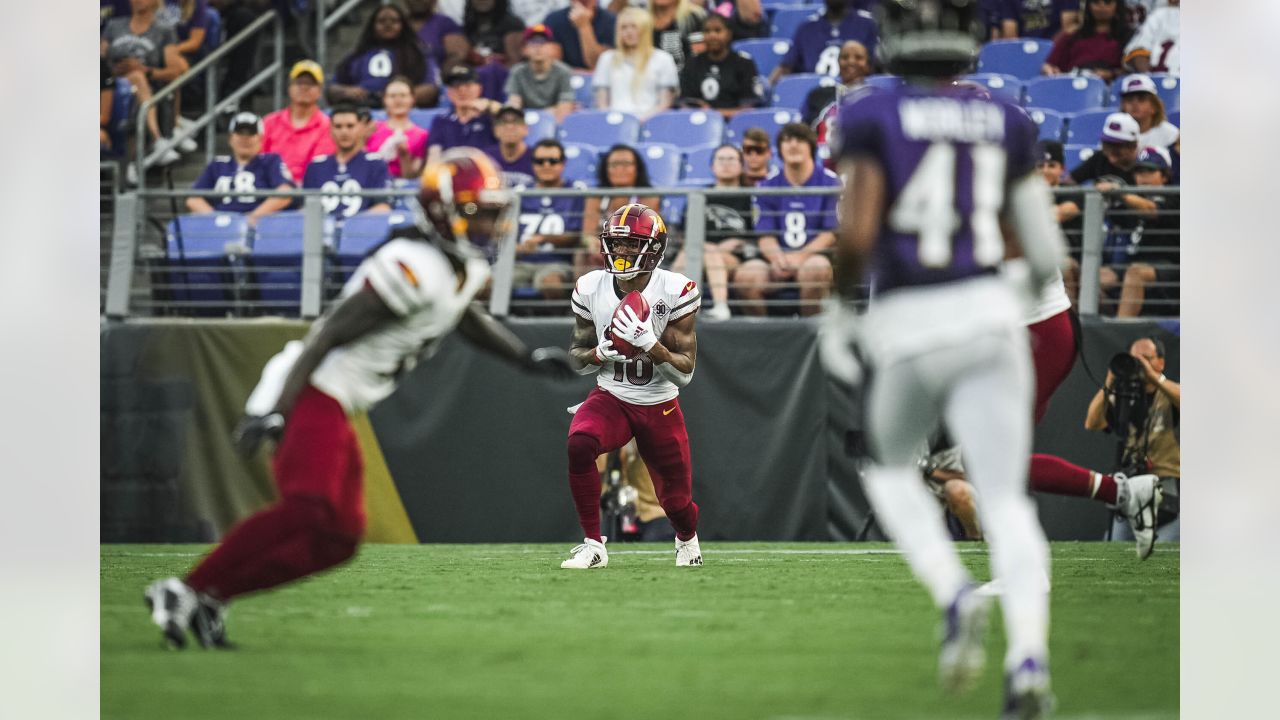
[[200, 270], [582, 95], [663, 160], [542, 124], [791, 90], [601, 128], [1050, 122], [687, 129], [766, 52], [1020, 57], [1001, 85], [771, 120], [1073, 155], [580, 163], [423, 117], [1066, 93], [697, 167], [786, 20], [1085, 127], [360, 234], [275, 263]]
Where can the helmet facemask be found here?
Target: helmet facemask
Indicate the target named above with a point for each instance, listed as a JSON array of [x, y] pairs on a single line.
[[627, 255]]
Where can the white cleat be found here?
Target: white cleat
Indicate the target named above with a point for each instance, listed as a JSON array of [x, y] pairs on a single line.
[[964, 630], [172, 606], [1138, 499], [688, 554], [590, 555], [1026, 692]]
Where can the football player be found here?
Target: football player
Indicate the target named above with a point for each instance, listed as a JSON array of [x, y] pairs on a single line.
[[933, 173], [639, 396], [401, 301]]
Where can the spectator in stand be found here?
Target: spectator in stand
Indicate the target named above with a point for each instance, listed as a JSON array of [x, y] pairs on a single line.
[[300, 131], [1030, 18], [1067, 210], [494, 32], [757, 155], [1114, 161], [1139, 99], [820, 103], [471, 120], [387, 47], [532, 12], [795, 231], [636, 77], [727, 224], [540, 82], [397, 140], [248, 168], [442, 38], [622, 168], [513, 155], [677, 28], [815, 48], [1097, 47], [348, 168], [144, 51], [583, 32], [236, 16], [1139, 10], [1155, 46], [1152, 251], [746, 18], [720, 78], [191, 20], [106, 100], [112, 9], [549, 228]]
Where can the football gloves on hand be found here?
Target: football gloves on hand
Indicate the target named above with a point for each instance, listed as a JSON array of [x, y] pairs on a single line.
[[605, 352], [837, 343], [636, 331], [252, 430], [552, 362]]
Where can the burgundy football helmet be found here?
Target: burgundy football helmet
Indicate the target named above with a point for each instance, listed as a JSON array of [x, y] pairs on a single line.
[[633, 240], [463, 196]]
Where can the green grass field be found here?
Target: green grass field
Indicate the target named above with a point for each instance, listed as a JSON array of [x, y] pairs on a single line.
[[499, 631]]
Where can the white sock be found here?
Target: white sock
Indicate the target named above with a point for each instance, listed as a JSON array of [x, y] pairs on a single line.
[[911, 518]]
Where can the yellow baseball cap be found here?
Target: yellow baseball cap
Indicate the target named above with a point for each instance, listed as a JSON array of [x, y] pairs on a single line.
[[310, 67]]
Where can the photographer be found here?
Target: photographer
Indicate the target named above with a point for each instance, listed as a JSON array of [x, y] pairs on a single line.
[[1142, 405]]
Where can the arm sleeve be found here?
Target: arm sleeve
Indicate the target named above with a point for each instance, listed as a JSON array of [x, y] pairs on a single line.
[[565, 93], [600, 78], [666, 75], [510, 87], [686, 302], [278, 174]]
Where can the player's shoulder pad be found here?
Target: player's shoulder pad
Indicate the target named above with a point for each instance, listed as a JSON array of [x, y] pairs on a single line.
[[589, 283]]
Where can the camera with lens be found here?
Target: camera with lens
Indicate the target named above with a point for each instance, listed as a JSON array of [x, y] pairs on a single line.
[[1127, 406]]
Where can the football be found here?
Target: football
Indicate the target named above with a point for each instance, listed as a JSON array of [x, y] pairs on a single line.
[[636, 302]]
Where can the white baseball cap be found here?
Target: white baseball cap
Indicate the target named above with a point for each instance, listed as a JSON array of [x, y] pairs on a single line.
[[1137, 84], [1119, 128]]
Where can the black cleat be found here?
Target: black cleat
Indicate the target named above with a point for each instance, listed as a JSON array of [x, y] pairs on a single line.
[[208, 623]]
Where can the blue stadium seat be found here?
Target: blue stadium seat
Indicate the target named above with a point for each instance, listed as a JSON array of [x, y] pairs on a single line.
[[122, 106], [581, 84], [1050, 123], [375, 114], [884, 82], [361, 233], [1066, 93], [771, 5], [1000, 85], [401, 202], [1085, 128], [542, 124], [581, 162], [275, 263], [1021, 58], [685, 128], [697, 166], [770, 120], [601, 128], [1175, 117], [1073, 155], [663, 160], [423, 117], [199, 268], [672, 209], [791, 90], [1169, 88], [767, 52], [786, 20]]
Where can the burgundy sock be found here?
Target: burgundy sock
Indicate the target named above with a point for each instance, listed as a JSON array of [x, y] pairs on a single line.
[[585, 487], [1054, 475], [685, 521]]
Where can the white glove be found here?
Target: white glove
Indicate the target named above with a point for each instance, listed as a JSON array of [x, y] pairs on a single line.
[[636, 331], [605, 352], [835, 343]]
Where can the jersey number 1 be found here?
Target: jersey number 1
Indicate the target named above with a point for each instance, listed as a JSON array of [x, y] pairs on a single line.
[[926, 206]]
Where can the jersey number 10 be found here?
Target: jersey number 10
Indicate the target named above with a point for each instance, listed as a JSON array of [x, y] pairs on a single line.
[[926, 207]]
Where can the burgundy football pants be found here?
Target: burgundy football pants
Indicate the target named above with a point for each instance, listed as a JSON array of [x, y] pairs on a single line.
[[316, 523], [603, 424]]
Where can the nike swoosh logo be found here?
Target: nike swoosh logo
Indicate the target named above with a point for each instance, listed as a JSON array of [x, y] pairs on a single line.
[[669, 410]]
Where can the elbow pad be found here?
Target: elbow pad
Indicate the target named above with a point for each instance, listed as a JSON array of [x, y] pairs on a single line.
[[675, 376], [1031, 215]]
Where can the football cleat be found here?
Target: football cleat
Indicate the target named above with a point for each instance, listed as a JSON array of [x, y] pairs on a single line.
[[590, 555], [1138, 499], [172, 605], [963, 656], [208, 623], [688, 554], [1026, 692]]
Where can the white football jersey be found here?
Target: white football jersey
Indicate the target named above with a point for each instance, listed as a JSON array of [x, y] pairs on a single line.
[[418, 283], [1159, 35], [1051, 301], [670, 295]]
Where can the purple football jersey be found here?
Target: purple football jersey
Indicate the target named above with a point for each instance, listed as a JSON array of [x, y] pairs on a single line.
[[948, 160], [816, 45], [266, 171], [448, 131], [518, 172], [549, 216], [375, 68], [797, 219], [365, 171]]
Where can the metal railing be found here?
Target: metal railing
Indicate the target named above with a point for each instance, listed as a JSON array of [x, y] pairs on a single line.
[[319, 264], [213, 107], [327, 20]]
